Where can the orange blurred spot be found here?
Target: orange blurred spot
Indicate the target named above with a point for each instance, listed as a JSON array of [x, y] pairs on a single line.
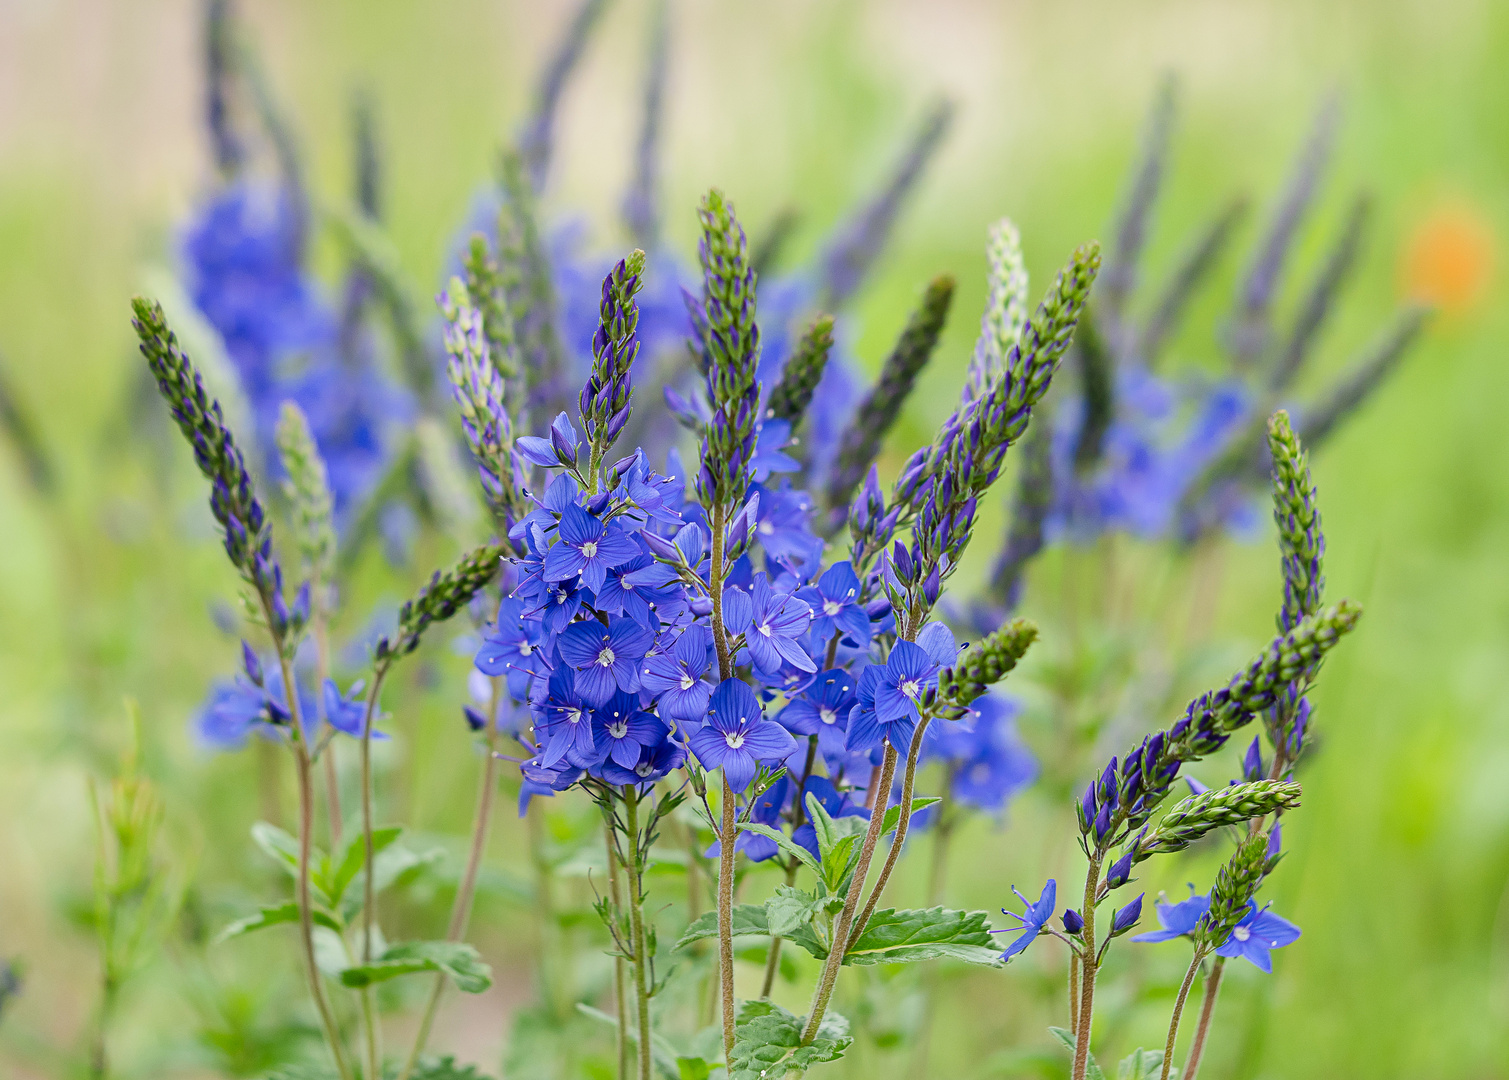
[[1449, 259]]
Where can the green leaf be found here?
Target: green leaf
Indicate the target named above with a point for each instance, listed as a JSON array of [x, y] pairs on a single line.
[[458, 960], [784, 842], [789, 910], [837, 862], [749, 920], [663, 1053], [767, 1042], [273, 915], [1065, 1036], [692, 1068], [1140, 1064], [280, 847], [893, 815], [904, 937], [445, 1068], [831, 830], [334, 884]]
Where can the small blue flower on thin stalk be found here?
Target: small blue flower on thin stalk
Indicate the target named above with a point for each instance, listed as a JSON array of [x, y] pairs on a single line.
[[1034, 919], [737, 737], [606, 658], [676, 676], [588, 549]]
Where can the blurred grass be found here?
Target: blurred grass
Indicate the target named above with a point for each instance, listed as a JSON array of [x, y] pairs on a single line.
[[1401, 855]]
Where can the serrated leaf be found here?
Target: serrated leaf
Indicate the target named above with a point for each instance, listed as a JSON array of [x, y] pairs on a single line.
[[445, 1068], [909, 936], [749, 920], [784, 842], [838, 861], [1065, 1036], [280, 846], [274, 915], [893, 814], [831, 830], [789, 910], [767, 1042], [460, 961], [1141, 1064]]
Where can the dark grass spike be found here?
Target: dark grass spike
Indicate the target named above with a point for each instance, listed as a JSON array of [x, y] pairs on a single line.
[[641, 204], [16, 422], [1118, 280], [537, 138], [1316, 424], [803, 371], [1097, 391], [530, 295], [882, 405], [855, 247], [1320, 299], [367, 191], [285, 141], [219, 62], [1251, 324], [1193, 270]]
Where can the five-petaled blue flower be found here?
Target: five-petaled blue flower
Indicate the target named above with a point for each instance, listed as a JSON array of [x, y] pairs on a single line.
[[565, 724], [515, 647], [835, 607], [675, 676], [1252, 939], [737, 737], [620, 730], [823, 710], [606, 658], [587, 549], [771, 623], [1033, 919]]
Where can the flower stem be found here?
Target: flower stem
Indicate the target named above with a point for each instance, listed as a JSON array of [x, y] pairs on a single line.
[[369, 883], [620, 998], [773, 961], [1074, 994], [840, 937], [727, 835], [1173, 1021], [1087, 989], [461, 909], [1207, 1011], [913, 753], [937, 870], [636, 929], [321, 633]]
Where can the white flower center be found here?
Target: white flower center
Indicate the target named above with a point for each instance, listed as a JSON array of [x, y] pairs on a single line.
[[573, 715], [687, 682], [605, 658], [589, 549], [766, 528], [525, 648], [911, 688], [560, 596], [827, 716], [618, 730], [735, 739], [1241, 933], [831, 607], [644, 768], [765, 629]]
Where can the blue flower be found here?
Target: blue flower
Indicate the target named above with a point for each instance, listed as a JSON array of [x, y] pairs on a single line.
[[1033, 920], [587, 549], [771, 623], [823, 710], [516, 647], [737, 736], [1257, 935], [990, 763], [606, 658], [621, 730], [564, 720], [655, 763], [769, 455], [783, 526], [835, 607], [675, 677], [345, 712], [766, 809]]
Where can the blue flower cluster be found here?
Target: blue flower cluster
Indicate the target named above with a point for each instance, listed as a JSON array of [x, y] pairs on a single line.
[[243, 261]]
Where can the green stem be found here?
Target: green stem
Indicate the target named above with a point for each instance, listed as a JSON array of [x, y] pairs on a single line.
[[840, 936], [461, 910], [369, 883], [620, 998], [1207, 1011], [1088, 961], [937, 870], [902, 823], [1173, 1021], [1074, 994], [636, 929], [727, 835]]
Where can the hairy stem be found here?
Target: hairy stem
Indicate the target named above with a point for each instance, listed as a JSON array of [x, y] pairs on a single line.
[[726, 853], [636, 929], [321, 633], [1207, 1011], [1087, 989], [840, 937], [1074, 994], [937, 869], [369, 883], [913, 753], [1173, 1020], [620, 998], [461, 909]]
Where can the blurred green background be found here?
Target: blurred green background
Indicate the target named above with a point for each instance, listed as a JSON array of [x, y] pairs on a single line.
[[1399, 870]]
